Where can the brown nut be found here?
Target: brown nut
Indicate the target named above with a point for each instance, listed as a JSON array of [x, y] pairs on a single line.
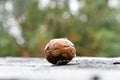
[[59, 51]]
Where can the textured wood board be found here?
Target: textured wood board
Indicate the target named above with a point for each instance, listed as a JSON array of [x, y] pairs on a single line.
[[80, 68]]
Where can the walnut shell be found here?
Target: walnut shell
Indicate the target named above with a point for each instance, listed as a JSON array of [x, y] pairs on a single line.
[[59, 51]]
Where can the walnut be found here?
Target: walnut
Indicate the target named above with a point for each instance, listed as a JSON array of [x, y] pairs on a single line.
[[59, 51]]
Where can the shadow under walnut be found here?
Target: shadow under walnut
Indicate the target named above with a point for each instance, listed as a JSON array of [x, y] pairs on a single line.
[[59, 51]]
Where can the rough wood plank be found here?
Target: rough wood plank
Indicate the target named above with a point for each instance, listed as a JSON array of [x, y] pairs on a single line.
[[80, 68]]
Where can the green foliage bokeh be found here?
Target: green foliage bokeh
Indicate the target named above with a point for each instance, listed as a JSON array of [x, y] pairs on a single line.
[[93, 29]]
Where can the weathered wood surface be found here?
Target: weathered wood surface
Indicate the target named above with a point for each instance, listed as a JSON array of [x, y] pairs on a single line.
[[80, 68]]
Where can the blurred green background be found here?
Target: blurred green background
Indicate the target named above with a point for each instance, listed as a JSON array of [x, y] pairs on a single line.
[[26, 26]]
